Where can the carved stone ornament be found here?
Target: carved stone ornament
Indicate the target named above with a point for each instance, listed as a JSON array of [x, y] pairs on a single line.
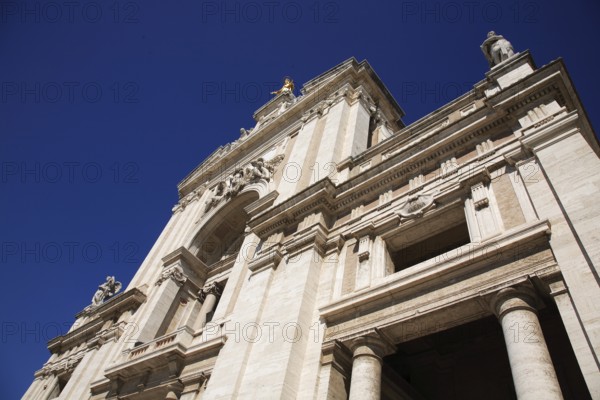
[[259, 169], [190, 197], [176, 273], [416, 205], [106, 290]]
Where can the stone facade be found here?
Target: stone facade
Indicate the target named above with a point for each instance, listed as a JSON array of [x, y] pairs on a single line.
[[332, 252]]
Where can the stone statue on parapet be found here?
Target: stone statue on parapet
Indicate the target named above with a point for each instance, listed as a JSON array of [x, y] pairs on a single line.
[[287, 88], [106, 290], [496, 49]]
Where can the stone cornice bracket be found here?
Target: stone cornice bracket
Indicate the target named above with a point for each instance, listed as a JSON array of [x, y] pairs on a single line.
[[176, 273], [371, 343], [518, 297], [210, 288]]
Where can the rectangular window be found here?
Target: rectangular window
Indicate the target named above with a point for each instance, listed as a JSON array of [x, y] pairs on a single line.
[[428, 239]]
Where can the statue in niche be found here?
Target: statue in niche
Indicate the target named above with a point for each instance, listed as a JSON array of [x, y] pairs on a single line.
[[496, 49], [106, 290], [287, 88]]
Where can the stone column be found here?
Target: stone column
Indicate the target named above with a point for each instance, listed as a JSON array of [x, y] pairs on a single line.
[[208, 296], [368, 350], [532, 370]]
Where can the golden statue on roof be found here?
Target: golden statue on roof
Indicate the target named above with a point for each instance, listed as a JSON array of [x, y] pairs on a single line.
[[288, 87]]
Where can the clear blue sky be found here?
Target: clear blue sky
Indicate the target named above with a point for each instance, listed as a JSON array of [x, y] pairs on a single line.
[[106, 106]]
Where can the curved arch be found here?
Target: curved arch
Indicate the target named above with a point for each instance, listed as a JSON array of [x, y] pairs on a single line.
[[261, 187], [222, 232]]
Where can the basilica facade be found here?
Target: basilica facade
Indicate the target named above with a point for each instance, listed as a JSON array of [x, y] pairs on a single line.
[[332, 252]]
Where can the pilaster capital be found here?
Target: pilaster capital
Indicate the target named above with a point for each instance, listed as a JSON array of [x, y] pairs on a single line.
[[337, 355], [176, 273]]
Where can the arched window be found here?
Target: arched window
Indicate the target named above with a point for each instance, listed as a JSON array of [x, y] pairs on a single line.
[[222, 236]]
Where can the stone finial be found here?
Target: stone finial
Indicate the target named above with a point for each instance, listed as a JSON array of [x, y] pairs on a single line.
[[496, 49], [106, 290]]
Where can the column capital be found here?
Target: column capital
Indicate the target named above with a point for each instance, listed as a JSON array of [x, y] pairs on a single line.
[[211, 288], [513, 298], [372, 343]]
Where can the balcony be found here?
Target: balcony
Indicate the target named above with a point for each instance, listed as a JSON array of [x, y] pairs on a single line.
[[159, 352]]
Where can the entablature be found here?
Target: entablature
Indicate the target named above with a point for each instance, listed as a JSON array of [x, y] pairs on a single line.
[[96, 319], [443, 283]]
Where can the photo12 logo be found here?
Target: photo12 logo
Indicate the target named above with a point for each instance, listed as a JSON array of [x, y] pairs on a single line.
[[250, 12], [68, 92], [470, 12], [68, 172], [70, 12]]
